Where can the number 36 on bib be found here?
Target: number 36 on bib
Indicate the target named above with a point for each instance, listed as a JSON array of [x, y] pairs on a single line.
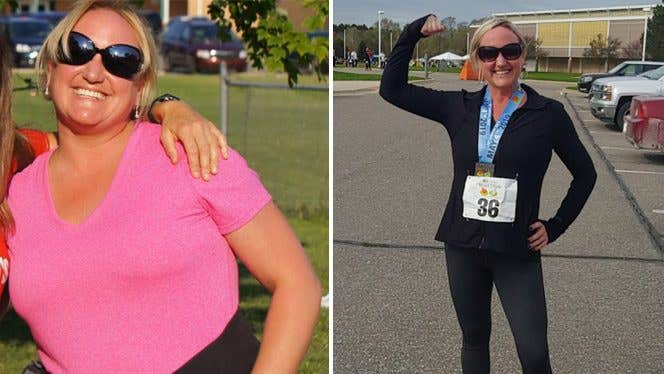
[[490, 199]]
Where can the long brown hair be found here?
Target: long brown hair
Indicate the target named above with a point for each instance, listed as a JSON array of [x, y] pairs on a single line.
[[13, 146]]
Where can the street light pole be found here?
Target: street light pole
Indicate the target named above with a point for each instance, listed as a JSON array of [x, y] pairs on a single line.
[[345, 51], [379, 13]]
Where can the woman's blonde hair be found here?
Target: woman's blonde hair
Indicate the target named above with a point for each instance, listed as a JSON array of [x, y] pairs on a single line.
[[57, 40], [487, 26]]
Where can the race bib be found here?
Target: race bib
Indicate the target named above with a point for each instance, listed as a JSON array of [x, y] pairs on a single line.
[[490, 199]]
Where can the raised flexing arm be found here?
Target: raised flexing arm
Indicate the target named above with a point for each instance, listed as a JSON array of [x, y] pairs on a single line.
[[440, 106]]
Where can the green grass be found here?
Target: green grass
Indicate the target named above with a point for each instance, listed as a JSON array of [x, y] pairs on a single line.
[[435, 69], [553, 76], [284, 136], [262, 77], [544, 76], [344, 76]]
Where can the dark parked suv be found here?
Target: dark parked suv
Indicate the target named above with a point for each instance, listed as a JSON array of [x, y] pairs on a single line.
[[51, 17], [194, 45], [25, 36], [153, 20], [625, 69]]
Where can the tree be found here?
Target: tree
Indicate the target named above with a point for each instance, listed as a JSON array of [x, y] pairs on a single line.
[[655, 43], [353, 37], [360, 51], [338, 46], [534, 49], [13, 4], [603, 48], [449, 23], [387, 26], [633, 50], [271, 38]]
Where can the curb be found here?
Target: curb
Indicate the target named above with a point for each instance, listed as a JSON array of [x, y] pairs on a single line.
[[654, 236], [355, 90], [376, 88]]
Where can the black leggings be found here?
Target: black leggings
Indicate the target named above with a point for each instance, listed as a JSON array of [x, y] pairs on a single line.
[[472, 274]]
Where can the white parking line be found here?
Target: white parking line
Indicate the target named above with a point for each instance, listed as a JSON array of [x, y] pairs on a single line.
[[639, 172], [618, 148], [608, 132]]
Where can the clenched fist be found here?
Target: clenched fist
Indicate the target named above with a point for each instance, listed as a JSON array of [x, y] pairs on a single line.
[[432, 26]]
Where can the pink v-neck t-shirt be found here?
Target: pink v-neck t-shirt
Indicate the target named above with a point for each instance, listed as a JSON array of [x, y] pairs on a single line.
[[148, 279]]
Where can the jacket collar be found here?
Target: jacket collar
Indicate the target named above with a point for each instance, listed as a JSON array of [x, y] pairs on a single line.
[[534, 100]]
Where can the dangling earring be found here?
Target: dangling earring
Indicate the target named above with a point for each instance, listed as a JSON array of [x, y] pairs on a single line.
[[480, 78], [46, 91], [524, 73], [136, 112]]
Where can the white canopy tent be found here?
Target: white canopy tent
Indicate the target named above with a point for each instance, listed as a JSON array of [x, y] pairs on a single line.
[[448, 56]]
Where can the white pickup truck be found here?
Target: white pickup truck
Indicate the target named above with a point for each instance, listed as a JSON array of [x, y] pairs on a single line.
[[610, 98]]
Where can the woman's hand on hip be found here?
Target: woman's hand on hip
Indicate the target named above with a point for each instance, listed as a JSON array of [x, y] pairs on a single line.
[[432, 26], [201, 139], [539, 238]]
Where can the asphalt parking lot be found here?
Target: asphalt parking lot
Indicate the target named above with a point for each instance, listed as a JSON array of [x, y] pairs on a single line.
[[640, 172], [604, 278]]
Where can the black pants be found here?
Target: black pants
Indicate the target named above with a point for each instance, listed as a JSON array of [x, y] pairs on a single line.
[[472, 274], [233, 352]]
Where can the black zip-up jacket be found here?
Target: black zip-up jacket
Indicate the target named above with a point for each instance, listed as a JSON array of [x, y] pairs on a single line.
[[536, 129]]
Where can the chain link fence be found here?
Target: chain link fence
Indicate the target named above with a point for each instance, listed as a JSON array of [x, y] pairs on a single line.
[[283, 133]]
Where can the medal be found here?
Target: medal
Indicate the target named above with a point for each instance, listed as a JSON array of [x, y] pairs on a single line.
[[487, 139], [485, 197], [483, 169]]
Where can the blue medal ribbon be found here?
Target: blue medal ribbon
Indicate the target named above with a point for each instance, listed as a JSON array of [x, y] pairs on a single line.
[[487, 140]]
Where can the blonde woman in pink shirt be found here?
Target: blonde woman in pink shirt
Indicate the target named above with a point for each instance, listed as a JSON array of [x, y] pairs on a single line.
[[123, 263]]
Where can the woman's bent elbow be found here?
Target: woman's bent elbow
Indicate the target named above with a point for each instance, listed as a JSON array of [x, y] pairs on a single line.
[[383, 92], [316, 290], [389, 95]]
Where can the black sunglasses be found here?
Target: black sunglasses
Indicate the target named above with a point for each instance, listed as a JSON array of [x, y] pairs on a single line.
[[510, 51], [121, 60]]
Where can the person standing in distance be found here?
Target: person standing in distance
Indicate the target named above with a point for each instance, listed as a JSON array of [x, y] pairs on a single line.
[[369, 54], [502, 139]]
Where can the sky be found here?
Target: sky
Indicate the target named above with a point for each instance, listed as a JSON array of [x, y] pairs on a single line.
[[404, 11]]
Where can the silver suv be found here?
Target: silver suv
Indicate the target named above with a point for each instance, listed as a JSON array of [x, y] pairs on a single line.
[[625, 69], [611, 97]]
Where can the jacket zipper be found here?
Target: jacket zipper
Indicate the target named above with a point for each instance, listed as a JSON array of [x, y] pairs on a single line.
[[483, 236]]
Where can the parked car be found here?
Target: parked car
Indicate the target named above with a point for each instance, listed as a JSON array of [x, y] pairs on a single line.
[[193, 43], [644, 125], [305, 66], [625, 69], [611, 98], [25, 36], [51, 17], [153, 20]]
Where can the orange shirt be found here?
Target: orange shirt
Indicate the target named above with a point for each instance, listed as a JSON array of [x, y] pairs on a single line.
[[39, 142]]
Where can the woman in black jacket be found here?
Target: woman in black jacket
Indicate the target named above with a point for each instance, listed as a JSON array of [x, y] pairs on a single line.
[[502, 140]]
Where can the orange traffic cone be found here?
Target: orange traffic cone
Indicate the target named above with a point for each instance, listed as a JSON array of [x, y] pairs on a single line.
[[467, 72]]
